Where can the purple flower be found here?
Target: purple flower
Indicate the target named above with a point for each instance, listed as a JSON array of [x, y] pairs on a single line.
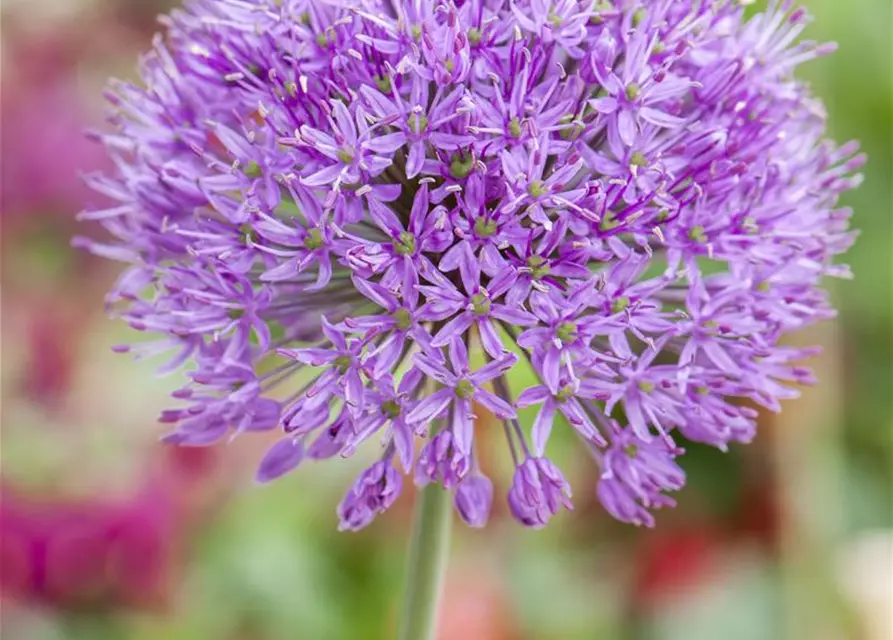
[[636, 475], [475, 308], [573, 400], [422, 123], [351, 150], [538, 492], [281, 458], [473, 499], [374, 491], [326, 210], [440, 461], [460, 387]]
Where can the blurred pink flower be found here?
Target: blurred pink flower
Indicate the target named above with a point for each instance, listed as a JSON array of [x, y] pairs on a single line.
[[476, 605], [44, 148], [90, 553], [673, 560], [49, 369], [102, 553]]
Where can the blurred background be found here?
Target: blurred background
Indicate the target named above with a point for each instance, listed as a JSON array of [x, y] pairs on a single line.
[[106, 534]]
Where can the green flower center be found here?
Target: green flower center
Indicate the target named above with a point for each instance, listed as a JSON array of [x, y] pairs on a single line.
[[322, 40], [485, 228], [461, 166], [515, 128], [698, 234], [633, 91], [474, 36], [247, 232], [450, 65], [555, 19], [383, 83], [464, 389], [567, 332], [390, 408], [313, 239], [609, 221], [572, 132], [638, 16], [342, 364], [345, 156], [646, 387], [631, 450], [252, 169], [619, 304], [599, 8], [537, 189], [418, 123], [480, 304], [402, 319], [565, 393], [405, 244], [539, 269], [638, 159]]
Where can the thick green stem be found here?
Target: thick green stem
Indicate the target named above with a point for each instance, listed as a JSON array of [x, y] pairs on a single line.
[[428, 553]]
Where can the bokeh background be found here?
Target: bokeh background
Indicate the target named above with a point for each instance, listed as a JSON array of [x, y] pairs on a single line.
[[106, 534]]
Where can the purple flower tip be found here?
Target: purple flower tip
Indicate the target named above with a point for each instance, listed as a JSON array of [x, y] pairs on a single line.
[[538, 492], [281, 458], [374, 491], [332, 203], [473, 499]]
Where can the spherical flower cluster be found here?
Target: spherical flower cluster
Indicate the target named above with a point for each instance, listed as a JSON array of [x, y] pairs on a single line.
[[358, 219]]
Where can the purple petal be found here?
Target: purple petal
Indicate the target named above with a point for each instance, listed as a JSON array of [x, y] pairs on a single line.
[[552, 368], [403, 444], [431, 407], [388, 354], [345, 121], [282, 457], [453, 329], [542, 427], [415, 159], [660, 118], [458, 355], [473, 499], [497, 406], [324, 176], [463, 426], [515, 316], [493, 369], [489, 338], [605, 105], [433, 368], [387, 144], [532, 395], [626, 127], [385, 217]]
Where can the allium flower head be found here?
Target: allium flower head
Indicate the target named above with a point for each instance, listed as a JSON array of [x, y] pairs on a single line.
[[358, 218]]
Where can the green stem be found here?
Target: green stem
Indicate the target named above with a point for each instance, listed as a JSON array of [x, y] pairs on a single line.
[[428, 554]]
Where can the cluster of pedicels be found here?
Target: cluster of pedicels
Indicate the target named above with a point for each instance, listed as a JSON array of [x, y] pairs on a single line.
[[358, 219]]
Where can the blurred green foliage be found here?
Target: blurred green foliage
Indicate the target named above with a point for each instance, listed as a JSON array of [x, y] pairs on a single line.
[[856, 84]]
